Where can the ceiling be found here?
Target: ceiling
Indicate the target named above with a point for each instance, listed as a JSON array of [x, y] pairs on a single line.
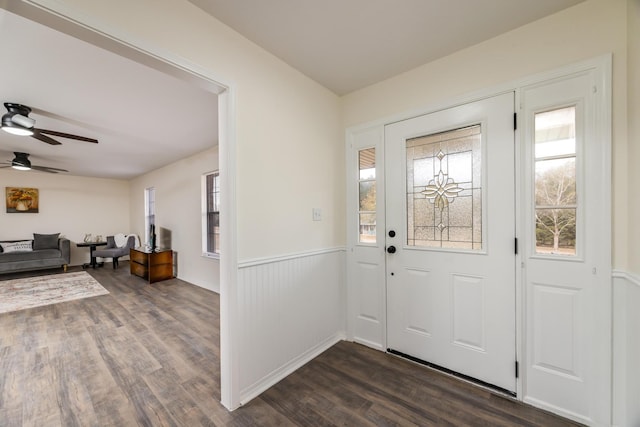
[[346, 45], [145, 119]]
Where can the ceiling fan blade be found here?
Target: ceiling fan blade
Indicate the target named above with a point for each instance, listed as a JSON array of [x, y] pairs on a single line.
[[44, 138], [46, 169], [66, 135]]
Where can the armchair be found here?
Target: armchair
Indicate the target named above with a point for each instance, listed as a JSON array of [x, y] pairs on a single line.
[[113, 251]]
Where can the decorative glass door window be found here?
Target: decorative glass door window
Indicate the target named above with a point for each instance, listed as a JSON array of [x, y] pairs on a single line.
[[555, 181], [367, 195], [444, 189]]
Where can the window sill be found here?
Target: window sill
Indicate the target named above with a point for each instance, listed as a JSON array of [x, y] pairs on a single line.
[[211, 255]]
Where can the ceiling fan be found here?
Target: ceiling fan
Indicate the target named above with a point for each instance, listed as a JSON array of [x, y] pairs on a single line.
[[22, 163], [17, 121]]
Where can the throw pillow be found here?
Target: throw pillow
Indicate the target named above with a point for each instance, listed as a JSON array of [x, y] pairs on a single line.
[[24, 246], [45, 241]]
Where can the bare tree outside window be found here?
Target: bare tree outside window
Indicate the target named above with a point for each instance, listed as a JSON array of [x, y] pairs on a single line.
[[367, 195], [555, 182]]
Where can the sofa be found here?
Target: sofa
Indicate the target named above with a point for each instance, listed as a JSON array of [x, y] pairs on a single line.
[[43, 251]]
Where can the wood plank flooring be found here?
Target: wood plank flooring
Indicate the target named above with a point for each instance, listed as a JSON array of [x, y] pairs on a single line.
[[148, 355]]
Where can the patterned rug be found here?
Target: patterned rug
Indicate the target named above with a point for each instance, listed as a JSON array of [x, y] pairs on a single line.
[[20, 294]]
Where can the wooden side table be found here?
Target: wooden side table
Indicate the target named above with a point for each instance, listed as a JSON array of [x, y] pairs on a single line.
[[152, 266]]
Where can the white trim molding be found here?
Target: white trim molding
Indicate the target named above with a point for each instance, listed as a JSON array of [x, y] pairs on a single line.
[[631, 278], [267, 260]]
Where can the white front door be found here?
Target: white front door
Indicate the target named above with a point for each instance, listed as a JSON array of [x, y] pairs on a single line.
[[450, 231]]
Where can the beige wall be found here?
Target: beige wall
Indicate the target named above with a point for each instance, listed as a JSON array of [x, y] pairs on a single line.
[[179, 212], [290, 155], [633, 105], [69, 205], [585, 31]]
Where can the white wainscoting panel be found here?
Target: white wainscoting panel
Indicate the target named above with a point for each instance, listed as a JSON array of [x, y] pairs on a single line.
[[626, 349], [291, 309]]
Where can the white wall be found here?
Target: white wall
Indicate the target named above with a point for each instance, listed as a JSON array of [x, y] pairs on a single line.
[[69, 205], [178, 210]]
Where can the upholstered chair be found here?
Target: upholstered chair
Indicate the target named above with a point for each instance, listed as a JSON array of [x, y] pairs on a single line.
[[113, 251]]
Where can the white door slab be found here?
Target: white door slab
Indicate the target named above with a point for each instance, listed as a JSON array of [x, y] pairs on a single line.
[[450, 203]]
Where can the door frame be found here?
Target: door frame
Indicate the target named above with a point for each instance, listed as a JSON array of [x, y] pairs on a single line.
[[370, 133]]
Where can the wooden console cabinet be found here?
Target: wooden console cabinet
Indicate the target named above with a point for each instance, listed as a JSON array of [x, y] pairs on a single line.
[[151, 266]]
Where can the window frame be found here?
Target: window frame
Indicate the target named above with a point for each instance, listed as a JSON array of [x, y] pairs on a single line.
[[577, 155], [372, 180], [149, 212], [206, 191]]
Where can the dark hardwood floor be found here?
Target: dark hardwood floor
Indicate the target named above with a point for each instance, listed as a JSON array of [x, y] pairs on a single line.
[[148, 355]]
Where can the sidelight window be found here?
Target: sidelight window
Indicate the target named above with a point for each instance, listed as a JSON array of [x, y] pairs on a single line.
[[367, 195]]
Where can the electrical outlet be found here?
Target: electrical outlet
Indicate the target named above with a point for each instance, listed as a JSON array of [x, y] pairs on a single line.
[[317, 214]]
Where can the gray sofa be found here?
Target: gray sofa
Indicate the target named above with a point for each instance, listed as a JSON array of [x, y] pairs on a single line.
[[40, 256]]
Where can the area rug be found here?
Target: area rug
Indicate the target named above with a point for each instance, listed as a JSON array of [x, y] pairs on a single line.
[[29, 292]]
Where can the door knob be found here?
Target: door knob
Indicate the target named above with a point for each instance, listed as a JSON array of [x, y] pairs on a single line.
[[391, 249]]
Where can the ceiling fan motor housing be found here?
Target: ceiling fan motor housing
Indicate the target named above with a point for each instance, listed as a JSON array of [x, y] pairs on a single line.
[[21, 161]]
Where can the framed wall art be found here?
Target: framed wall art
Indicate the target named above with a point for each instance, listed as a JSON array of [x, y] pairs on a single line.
[[22, 200]]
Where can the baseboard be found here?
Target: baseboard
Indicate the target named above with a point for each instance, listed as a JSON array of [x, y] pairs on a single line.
[[279, 374], [557, 410], [370, 344]]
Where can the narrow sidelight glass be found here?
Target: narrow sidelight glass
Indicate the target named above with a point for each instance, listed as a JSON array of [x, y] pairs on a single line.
[[367, 195]]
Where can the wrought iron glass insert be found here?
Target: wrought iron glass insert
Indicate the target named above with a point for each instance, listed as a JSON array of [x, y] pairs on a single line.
[[444, 189]]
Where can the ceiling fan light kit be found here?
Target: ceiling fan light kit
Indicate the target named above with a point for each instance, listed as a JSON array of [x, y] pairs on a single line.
[[23, 121], [17, 122], [9, 126]]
